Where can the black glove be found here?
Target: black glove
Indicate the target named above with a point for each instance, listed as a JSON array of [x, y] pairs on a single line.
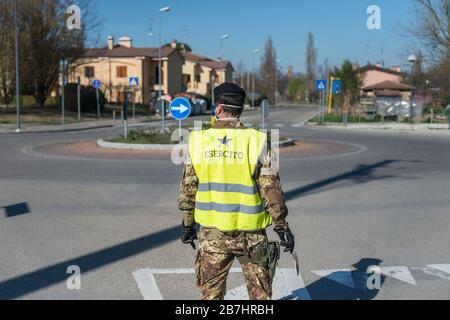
[[287, 239], [189, 235]]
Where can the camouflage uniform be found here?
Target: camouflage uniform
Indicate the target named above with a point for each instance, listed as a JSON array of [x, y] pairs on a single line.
[[218, 249]]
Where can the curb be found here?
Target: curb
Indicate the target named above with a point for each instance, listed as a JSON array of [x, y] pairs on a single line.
[[287, 143], [385, 128], [132, 146], [163, 147], [56, 130]]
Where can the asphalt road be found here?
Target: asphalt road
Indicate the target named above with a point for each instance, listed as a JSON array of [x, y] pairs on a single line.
[[386, 204]]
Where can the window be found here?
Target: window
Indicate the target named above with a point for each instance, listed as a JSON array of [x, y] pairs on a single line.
[[89, 72], [197, 78], [121, 72], [157, 76]]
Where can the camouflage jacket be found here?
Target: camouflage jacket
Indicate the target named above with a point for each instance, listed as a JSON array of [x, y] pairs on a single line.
[[268, 183]]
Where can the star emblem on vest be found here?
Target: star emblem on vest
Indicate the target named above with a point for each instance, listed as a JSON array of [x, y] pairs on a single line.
[[224, 141]]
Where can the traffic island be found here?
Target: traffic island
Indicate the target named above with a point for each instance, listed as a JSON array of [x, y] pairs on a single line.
[[107, 150]]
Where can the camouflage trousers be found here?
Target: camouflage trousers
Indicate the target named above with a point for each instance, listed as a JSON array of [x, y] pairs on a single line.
[[216, 255]]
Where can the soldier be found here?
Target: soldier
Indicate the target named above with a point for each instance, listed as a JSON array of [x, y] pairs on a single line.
[[229, 189]]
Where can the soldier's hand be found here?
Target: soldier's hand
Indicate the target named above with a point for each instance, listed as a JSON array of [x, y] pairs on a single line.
[[287, 239], [189, 235]]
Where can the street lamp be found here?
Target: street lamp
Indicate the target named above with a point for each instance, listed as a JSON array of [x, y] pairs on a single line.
[[222, 39], [161, 11], [278, 68], [412, 59], [253, 78], [16, 27]]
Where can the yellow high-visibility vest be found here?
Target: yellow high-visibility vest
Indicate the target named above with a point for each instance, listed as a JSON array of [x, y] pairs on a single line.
[[225, 160]]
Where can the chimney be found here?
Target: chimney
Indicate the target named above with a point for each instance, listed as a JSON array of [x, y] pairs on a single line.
[[110, 43], [126, 42], [173, 44]]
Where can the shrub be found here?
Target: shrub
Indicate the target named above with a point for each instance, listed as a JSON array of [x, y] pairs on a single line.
[[88, 98]]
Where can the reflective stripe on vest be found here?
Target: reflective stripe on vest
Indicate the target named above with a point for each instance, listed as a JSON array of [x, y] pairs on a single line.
[[225, 160]]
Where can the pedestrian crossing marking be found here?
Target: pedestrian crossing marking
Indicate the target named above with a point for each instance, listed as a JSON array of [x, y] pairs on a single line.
[[287, 285], [399, 273]]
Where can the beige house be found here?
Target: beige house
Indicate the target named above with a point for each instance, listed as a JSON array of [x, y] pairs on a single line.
[[198, 72], [115, 64], [379, 81]]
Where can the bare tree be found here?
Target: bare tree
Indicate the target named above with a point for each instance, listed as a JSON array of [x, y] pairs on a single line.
[[267, 71], [240, 70], [311, 60], [432, 27], [45, 41]]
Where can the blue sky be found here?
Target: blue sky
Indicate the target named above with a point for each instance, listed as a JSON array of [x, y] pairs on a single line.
[[339, 27]]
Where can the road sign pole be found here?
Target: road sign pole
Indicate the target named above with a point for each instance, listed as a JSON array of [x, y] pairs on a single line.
[[320, 106], [322, 116], [179, 131], [125, 117], [162, 115], [98, 103], [134, 103], [330, 98], [79, 98], [62, 94]]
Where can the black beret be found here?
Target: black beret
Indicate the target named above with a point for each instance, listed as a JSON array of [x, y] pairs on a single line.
[[229, 89]]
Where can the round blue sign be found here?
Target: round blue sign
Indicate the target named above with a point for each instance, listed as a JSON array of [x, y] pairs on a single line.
[[96, 84], [180, 108]]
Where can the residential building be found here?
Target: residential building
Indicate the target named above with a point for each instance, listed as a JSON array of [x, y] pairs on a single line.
[[198, 72], [378, 81], [115, 64]]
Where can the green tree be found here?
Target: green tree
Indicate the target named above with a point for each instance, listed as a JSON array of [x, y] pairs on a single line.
[[296, 89], [351, 85]]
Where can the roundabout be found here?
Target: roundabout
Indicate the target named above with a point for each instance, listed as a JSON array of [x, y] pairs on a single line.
[[103, 150]]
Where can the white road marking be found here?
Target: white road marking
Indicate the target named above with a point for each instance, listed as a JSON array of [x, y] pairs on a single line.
[[400, 273], [441, 267], [438, 270], [286, 285], [296, 125], [341, 276], [279, 125], [146, 281]]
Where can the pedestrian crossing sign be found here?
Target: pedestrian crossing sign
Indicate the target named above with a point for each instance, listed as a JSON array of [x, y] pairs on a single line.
[[134, 82], [321, 85]]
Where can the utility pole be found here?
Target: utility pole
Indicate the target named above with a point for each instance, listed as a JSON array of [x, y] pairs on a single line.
[[79, 98], [16, 27], [253, 77], [161, 11]]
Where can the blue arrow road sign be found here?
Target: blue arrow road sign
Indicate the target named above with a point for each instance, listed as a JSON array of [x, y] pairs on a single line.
[[134, 82], [96, 84], [180, 108], [321, 85], [337, 86]]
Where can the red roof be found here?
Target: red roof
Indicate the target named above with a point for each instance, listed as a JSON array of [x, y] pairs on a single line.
[[389, 85], [125, 52], [375, 68], [207, 62]]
